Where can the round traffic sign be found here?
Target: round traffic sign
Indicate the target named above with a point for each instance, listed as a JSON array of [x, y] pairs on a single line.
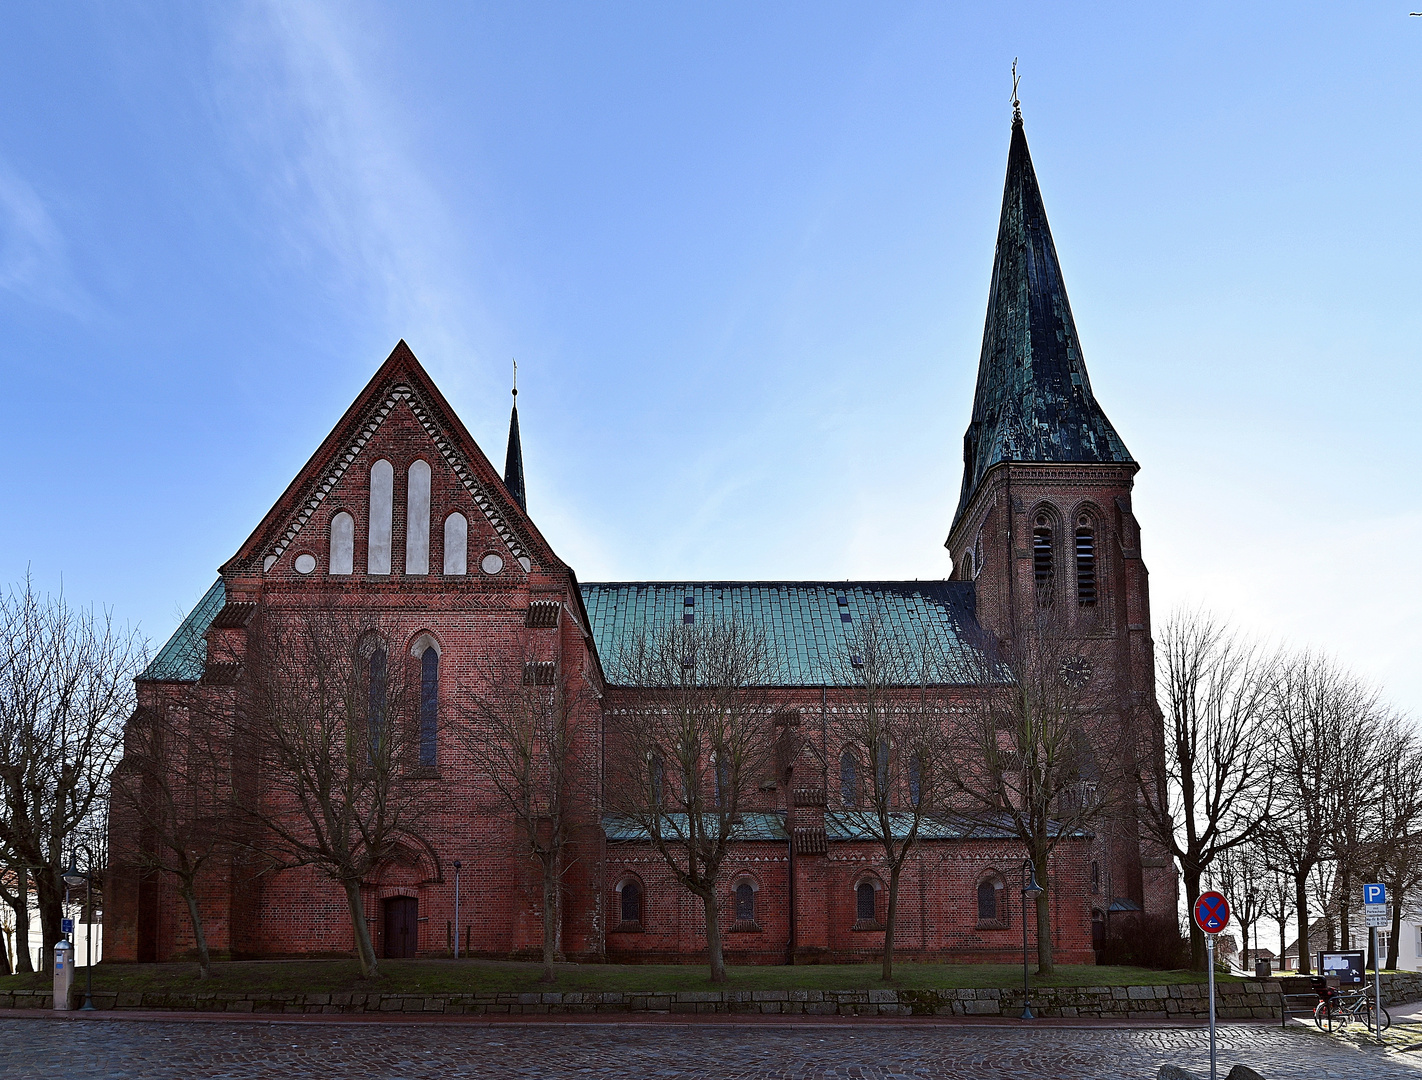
[[1212, 912]]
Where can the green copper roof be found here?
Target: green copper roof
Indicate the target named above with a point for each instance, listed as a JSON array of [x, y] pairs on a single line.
[[1033, 400], [183, 657], [864, 825], [805, 626], [753, 825]]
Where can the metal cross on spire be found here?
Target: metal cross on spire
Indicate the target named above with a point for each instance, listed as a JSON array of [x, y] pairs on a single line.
[[1016, 105]]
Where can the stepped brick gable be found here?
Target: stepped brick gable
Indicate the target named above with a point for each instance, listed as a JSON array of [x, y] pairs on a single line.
[[400, 523]]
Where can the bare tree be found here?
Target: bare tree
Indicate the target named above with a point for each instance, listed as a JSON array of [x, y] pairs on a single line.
[[173, 785], [66, 687], [1209, 786], [891, 732], [1044, 750], [1312, 706], [527, 724], [1239, 873], [330, 776], [688, 748], [1367, 737], [1399, 850]]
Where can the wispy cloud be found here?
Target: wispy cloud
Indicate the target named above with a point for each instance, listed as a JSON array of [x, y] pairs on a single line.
[[33, 261], [303, 86]]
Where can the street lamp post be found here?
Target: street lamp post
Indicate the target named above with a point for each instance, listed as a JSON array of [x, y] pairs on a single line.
[[1249, 898], [1030, 891], [73, 877], [457, 865]]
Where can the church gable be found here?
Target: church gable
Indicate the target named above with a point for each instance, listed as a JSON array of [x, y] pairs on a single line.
[[323, 521]]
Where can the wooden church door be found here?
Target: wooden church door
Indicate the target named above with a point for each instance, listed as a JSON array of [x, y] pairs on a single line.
[[402, 928]]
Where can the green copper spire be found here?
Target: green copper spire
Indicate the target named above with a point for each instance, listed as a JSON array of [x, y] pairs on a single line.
[[1034, 400]]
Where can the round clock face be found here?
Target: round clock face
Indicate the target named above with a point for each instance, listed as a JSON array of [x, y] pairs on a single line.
[[1076, 672]]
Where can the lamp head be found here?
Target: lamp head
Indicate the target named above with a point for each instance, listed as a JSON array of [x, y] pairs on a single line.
[[1031, 888], [71, 874]]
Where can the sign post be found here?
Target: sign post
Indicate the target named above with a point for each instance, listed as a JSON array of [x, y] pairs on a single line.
[[1212, 916], [1375, 908]]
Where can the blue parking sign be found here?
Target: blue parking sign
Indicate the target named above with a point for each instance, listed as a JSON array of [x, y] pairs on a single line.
[[66, 926], [1375, 894]]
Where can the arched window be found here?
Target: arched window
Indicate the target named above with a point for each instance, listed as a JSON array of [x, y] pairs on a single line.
[[848, 777], [1085, 562], [722, 766], [881, 772], [1095, 876], [382, 508], [456, 544], [631, 902], [657, 768], [429, 704], [417, 519], [864, 901], [987, 901], [745, 902], [375, 701], [1043, 567], [915, 779], [342, 543]]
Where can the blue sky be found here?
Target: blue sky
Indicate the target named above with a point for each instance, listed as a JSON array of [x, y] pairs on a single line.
[[741, 252]]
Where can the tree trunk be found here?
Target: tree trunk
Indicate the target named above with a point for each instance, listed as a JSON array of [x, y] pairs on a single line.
[[51, 902], [1392, 938], [369, 968], [23, 963], [5, 968], [199, 937], [1044, 922], [713, 936], [1243, 946], [1345, 881], [550, 920], [1301, 906], [1197, 936], [891, 917]]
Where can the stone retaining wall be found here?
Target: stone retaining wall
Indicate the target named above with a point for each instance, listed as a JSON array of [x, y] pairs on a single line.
[[1247, 1000], [1184, 1002]]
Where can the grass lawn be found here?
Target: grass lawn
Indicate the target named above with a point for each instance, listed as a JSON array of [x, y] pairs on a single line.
[[471, 976]]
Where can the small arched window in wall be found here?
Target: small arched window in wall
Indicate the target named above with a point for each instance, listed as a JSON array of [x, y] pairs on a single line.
[[417, 519], [631, 905], [429, 705], [987, 901], [456, 544], [1085, 562], [382, 508], [848, 777], [1095, 876], [722, 767], [342, 543], [881, 772], [864, 902], [1043, 568], [745, 902], [656, 772], [915, 780]]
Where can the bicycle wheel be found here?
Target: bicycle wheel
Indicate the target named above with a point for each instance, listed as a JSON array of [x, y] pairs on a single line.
[[1386, 1019], [1320, 1015]]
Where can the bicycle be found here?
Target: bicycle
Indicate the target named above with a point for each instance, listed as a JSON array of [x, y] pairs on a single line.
[[1335, 1007]]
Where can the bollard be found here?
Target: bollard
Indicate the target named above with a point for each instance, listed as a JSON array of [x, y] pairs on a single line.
[[63, 974]]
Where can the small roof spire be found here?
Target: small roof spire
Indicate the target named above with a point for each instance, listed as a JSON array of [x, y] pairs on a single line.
[[513, 461]]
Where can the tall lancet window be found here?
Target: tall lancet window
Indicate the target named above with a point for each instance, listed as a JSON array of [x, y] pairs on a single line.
[[1085, 562], [456, 544], [375, 701], [342, 543], [417, 519], [1043, 568], [429, 705], [382, 508]]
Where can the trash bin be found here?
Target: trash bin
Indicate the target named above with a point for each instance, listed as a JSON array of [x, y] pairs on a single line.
[[1261, 969], [63, 974]]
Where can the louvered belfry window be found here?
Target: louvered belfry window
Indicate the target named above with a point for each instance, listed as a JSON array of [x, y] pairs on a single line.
[[1042, 568], [1085, 563]]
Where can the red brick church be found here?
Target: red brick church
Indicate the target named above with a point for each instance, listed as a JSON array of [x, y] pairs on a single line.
[[399, 511]]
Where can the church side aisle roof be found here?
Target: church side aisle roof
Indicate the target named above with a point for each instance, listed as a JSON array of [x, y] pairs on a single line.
[[803, 621], [1033, 401], [183, 657]]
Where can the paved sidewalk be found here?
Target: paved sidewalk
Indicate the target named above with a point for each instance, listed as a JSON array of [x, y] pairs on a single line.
[[226, 1049]]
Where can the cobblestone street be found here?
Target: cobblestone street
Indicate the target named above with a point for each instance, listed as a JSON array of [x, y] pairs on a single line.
[[162, 1049]]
